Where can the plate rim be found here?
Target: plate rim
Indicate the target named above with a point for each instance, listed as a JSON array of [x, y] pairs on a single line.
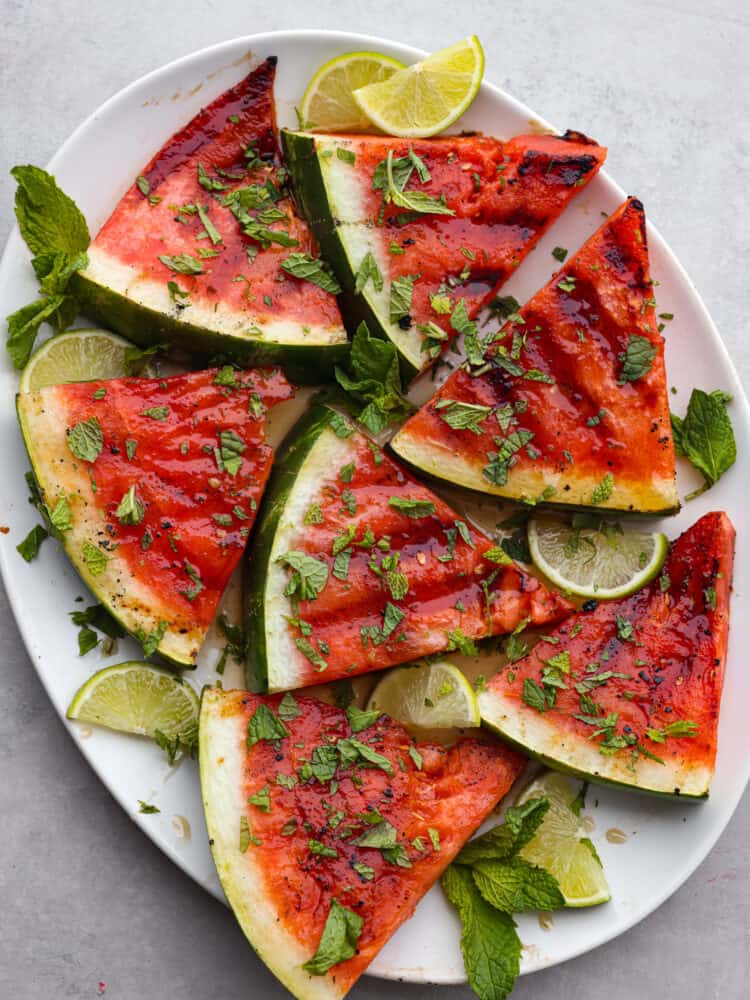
[[371, 42]]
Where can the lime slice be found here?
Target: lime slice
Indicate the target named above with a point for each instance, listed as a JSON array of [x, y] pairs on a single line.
[[604, 561], [435, 696], [428, 96], [76, 356], [561, 846], [135, 697], [328, 105]]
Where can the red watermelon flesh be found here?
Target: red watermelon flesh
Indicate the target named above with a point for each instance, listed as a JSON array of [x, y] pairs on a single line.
[[405, 576], [303, 806], [572, 422], [192, 448], [241, 290], [639, 678]]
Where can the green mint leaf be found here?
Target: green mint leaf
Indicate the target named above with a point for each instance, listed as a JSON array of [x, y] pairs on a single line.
[[29, 547], [338, 941], [368, 271], [261, 799], [489, 942], [23, 326], [353, 751], [496, 471], [463, 416], [312, 269], [85, 440], [504, 841], [373, 380], [182, 263], [311, 653], [97, 616], [231, 447], [213, 233], [147, 808], [678, 728], [603, 490], [516, 886], [150, 640], [559, 253], [706, 437], [61, 516], [321, 849], [637, 359], [412, 508], [346, 155], [309, 575], [456, 640], [95, 559], [392, 618], [49, 220], [402, 289], [288, 708], [156, 412], [130, 509], [465, 327], [264, 725], [359, 719], [412, 201]]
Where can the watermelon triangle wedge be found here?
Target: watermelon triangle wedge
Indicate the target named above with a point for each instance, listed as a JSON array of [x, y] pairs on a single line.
[[152, 486], [357, 566], [206, 250], [327, 827], [465, 212], [630, 691], [568, 402]]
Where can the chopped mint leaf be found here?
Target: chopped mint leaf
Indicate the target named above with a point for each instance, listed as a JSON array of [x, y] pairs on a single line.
[[463, 416], [130, 509], [230, 451], [559, 253], [264, 725], [85, 440], [150, 640], [637, 360], [402, 289], [288, 708], [338, 941], [147, 808], [412, 507], [373, 379], [61, 516], [261, 799], [314, 270], [95, 559], [603, 491], [156, 412], [359, 719], [182, 263], [368, 271]]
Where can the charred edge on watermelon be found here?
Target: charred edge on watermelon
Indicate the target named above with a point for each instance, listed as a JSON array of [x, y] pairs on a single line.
[[168, 615], [591, 438], [368, 614], [543, 174], [126, 287], [669, 641], [433, 798]]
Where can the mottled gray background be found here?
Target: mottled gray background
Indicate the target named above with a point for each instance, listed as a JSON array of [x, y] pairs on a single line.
[[84, 896]]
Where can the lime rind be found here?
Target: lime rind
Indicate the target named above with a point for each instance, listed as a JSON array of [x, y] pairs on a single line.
[[81, 355], [138, 698], [328, 103], [588, 562], [430, 696], [562, 846], [428, 96]]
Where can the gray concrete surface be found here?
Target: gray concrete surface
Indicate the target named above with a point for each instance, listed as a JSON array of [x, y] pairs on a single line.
[[86, 899]]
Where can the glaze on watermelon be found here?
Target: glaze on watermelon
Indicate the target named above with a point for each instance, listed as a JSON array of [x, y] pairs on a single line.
[[186, 458], [285, 815], [401, 575], [243, 303], [651, 664], [502, 196], [573, 394]]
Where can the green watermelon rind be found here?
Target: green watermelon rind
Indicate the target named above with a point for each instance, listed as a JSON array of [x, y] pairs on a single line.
[[441, 466], [521, 728], [313, 181], [72, 542], [303, 363], [284, 478], [222, 738]]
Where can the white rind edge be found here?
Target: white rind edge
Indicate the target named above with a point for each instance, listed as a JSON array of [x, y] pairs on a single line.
[[286, 661], [222, 757], [539, 735]]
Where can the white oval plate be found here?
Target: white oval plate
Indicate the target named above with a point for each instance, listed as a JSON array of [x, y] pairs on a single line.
[[665, 840]]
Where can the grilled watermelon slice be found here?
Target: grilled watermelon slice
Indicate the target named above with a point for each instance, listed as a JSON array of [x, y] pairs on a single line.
[[308, 813], [500, 195], [569, 403], [194, 252], [153, 485], [630, 692], [357, 566]]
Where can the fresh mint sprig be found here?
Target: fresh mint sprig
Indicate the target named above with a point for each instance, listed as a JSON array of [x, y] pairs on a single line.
[[487, 883], [56, 233], [705, 436]]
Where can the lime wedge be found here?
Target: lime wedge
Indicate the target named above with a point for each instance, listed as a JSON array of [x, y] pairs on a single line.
[[135, 697], [434, 696], [77, 356], [328, 104], [603, 561], [428, 96], [561, 846]]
